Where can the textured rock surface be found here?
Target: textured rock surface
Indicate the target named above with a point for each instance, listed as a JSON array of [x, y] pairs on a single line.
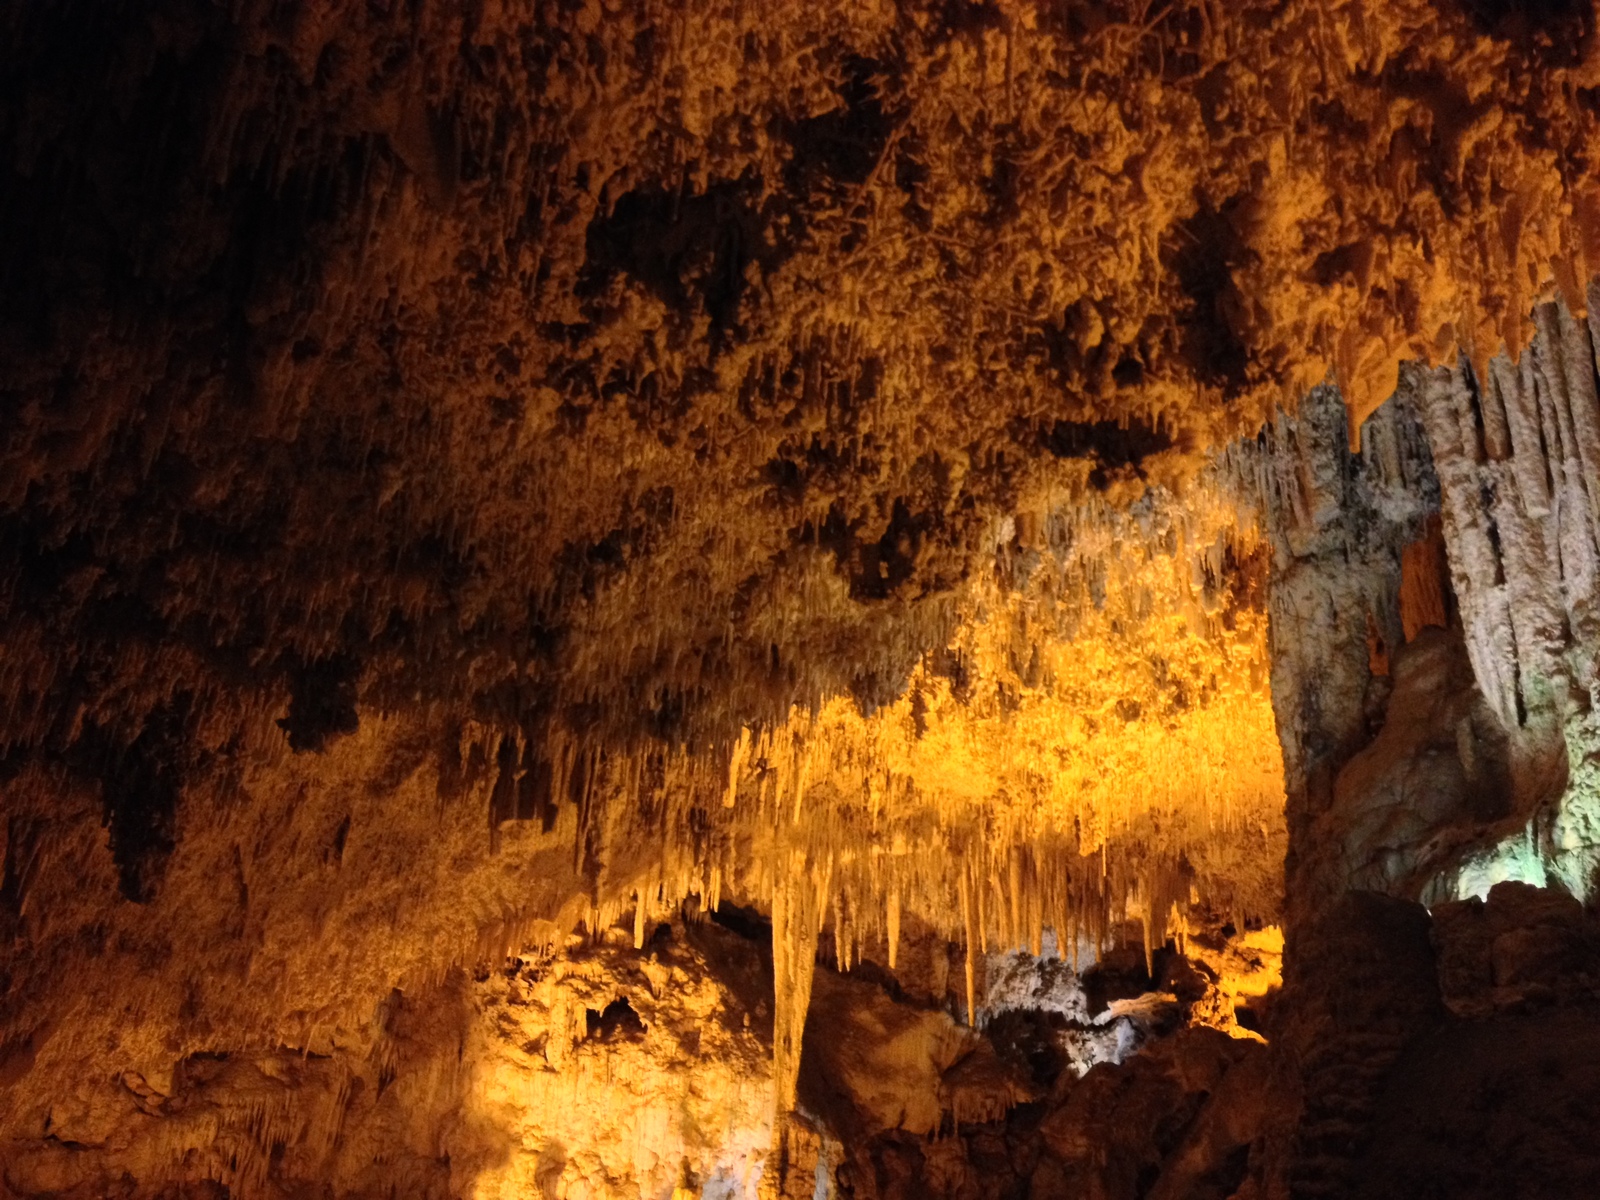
[[1492, 1108], [1471, 780], [1339, 522], [1436, 776], [1525, 946], [1517, 453], [417, 417], [1408, 773], [595, 1071], [1361, 987], [916, 1106], [474, 472], [613, 1071]]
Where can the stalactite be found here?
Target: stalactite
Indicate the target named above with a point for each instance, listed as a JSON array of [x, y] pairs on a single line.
[[1516, 450], [971, 943]]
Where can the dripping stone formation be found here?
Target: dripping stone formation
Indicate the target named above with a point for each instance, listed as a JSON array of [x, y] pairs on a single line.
[[745, 599]]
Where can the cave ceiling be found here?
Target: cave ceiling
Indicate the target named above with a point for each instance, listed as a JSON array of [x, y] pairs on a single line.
[[654, 368]]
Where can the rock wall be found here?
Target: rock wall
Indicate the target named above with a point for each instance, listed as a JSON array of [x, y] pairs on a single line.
[[1339, 522], [1406, 771], [1436, 753], [1519, 457]]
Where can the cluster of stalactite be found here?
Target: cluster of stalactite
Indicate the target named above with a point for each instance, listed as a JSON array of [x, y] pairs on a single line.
[[1096, 744], [1467, 508], [805, 299], [1517, 451]]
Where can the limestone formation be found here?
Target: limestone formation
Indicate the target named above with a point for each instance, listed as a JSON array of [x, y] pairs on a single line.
[[879, 598]]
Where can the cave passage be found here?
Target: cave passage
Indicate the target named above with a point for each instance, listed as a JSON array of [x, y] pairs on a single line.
[[726, 600]]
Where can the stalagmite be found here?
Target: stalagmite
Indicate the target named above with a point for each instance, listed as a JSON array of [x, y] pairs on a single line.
[[971, 941]]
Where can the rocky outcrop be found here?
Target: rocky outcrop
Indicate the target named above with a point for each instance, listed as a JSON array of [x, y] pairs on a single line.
[[592, 1071], [1105, 1083], [1156, 1126], [1494, 1100], [1435, 779], [1175, 1120], [1339, 523], [1416, 764], [1370, 695], [1523, 950], [1360, 985], [1517, 452], [1435, 1056]]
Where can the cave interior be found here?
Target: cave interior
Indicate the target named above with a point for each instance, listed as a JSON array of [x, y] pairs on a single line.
[[746, 599]]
